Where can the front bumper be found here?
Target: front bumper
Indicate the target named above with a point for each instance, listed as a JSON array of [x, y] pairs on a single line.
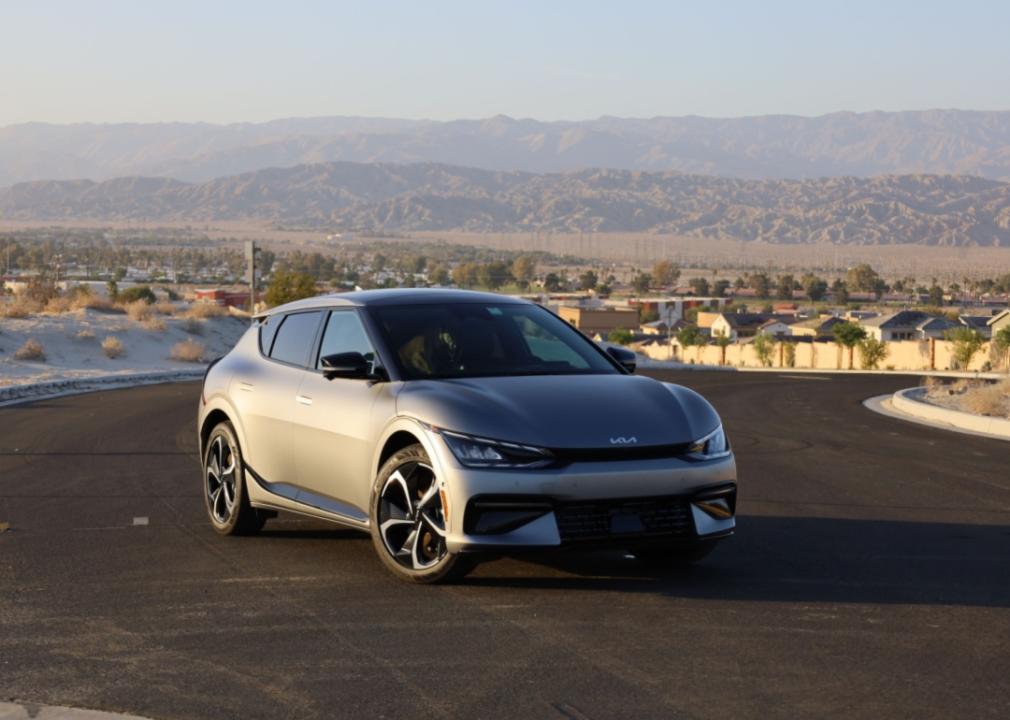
[[587, 502]]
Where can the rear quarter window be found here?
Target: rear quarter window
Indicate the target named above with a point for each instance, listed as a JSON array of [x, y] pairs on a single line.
[[294, 338], [267, 329]]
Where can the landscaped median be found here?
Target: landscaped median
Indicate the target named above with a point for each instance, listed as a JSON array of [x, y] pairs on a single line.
[[912, 403]]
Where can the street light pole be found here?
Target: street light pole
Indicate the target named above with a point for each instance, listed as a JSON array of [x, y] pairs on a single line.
[[250, 254]]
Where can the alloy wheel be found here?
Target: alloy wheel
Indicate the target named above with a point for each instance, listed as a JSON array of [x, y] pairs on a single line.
[[221, 479], [411, 517]]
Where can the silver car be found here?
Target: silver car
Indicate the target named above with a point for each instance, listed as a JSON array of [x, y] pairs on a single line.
[[451, 425]]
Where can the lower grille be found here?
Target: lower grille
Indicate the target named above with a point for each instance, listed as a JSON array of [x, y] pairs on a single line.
[[607, 519]]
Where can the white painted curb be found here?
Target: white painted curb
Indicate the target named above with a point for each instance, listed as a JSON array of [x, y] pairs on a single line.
[[907, 402]]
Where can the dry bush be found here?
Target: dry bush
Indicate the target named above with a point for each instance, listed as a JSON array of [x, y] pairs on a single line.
[[139, 311], [31, 350], [59, 304], [193, 326], [113, 347], [188, 351], [22, 307], [85, 334], [932, 382], [203, 311], [992, 400], [94, 302], [154, 324], [165, 308]]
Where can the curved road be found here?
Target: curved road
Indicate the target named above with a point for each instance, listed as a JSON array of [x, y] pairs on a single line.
[[870, 578]]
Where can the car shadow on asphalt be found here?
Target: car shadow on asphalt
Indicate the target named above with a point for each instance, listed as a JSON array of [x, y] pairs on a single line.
[[799, 559]]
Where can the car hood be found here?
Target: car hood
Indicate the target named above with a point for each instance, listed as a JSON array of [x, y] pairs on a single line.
[[562, 411]]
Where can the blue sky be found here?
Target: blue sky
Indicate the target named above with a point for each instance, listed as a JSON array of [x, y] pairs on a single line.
[[223, 61]]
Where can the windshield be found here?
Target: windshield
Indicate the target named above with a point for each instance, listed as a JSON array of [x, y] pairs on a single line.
[[459, 340]]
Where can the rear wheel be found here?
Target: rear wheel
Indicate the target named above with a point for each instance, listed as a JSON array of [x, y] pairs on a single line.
[[224, 489], [408, 521]]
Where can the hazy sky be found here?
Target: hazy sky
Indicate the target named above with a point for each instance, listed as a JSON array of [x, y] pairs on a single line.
[[550, 59]]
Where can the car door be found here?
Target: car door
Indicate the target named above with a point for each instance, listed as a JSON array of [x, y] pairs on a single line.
[[337, 422], [265, 392]]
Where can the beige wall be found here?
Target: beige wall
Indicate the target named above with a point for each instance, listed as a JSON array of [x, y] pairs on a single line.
[[592, 321], [902, 355]]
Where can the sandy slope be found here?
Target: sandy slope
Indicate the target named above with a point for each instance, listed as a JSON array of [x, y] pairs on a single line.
[[72, 345]]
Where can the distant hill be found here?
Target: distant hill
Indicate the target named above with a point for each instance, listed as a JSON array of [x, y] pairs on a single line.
[[919, 209], [774, 146]]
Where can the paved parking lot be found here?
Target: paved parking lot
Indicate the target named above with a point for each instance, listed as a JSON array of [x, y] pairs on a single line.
[[870, 577]]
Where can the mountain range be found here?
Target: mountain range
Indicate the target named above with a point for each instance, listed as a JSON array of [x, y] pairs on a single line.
[[890, 209], [766, 147]]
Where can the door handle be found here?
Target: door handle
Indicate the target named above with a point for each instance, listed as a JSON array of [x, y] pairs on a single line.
[[303, 399]]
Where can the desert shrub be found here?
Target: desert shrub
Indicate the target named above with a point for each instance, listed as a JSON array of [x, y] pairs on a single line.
[[188, 351], [154, 324], [59, 304], [989, 399], [85, 334], [872, 352], [113, 347], [31, 350], [202, 311], [133, 294], [764, 346], [41, 290], [193, 326], [165, 308], [22, 307], [967, 342], [139, 310], [90, 301]]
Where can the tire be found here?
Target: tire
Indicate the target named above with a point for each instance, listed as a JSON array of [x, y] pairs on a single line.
[[408, 526], [224, 492], [674, 556]]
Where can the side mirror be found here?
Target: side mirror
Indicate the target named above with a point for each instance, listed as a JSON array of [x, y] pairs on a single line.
[[627, 359], [349, 365]]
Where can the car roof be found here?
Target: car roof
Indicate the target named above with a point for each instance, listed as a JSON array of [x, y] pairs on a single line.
[[394, 296]]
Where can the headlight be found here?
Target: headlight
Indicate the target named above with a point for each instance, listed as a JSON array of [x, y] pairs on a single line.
[[711, 447], [481, 452]]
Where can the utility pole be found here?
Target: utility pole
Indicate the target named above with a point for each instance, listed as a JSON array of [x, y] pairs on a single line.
[[250, 256]]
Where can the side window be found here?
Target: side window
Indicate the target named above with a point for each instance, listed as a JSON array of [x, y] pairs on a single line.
[[294, 338], [344, 333], [268, 328]]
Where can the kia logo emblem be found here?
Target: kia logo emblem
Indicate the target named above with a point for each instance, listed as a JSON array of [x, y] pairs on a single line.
[[623, 440]]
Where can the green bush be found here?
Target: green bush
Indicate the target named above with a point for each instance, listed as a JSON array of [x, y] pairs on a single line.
[[290, 286], [133, 294], [620, 336]]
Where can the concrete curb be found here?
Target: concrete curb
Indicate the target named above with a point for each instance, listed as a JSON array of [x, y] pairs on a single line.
[[24, 711], [15, 394], [906, 402]]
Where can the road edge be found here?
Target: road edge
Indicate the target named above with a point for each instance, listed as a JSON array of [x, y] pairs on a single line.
[[26, 710], [901, 406], [20, 394]]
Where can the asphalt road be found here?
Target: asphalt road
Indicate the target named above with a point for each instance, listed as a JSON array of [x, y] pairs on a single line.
[[870, 577]]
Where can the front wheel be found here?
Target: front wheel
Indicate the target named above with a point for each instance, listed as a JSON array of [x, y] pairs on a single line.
[[224, 491], [408, 521]]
